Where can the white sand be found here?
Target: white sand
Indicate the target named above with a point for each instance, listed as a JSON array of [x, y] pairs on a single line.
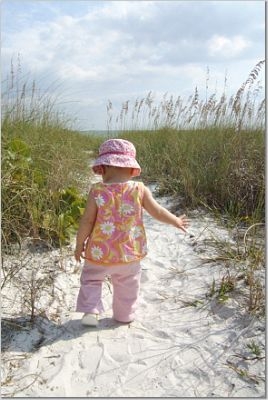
[[182, 343]]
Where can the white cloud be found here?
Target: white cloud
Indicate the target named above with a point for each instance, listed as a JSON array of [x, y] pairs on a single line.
[[118, 49], [225, 47], [119, 10]]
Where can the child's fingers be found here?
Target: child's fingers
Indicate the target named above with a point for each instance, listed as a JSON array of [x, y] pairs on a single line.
[[184, 220], [183, 223], [77, 256]]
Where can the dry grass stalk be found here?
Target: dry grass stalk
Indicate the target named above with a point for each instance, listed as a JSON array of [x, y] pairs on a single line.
[[194, 112]]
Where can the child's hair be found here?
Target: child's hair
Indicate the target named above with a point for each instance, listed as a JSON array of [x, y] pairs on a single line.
[[117, 153]]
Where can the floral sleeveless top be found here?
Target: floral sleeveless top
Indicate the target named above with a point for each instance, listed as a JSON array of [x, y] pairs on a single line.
[[118, 235]]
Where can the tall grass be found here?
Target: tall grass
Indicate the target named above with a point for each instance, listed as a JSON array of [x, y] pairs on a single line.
[[214, 167], [211, 152], [43, 164]]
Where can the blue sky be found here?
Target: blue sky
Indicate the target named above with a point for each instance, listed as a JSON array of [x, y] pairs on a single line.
[[88, 52]]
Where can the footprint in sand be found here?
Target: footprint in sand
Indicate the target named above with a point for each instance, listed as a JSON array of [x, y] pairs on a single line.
[[90, 359]]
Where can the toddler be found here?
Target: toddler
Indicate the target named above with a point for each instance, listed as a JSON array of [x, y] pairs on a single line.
[[111, 236]]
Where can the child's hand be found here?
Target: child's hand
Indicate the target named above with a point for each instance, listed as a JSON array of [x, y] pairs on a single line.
[[182, 222], [77, 254]]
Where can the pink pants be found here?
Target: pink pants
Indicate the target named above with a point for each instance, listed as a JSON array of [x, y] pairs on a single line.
[[126, 285]]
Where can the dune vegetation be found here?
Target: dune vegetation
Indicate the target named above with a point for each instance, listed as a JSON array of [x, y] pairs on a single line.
[[209, 152], [208, 155], [42, 164]]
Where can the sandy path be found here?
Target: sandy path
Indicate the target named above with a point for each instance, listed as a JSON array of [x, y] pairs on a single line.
[[182, 343]]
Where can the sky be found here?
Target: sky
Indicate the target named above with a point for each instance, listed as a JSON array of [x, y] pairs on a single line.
[[88, 53]]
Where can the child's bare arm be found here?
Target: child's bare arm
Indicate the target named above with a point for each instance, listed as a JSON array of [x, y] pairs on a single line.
[[86, 225], [162, 214]]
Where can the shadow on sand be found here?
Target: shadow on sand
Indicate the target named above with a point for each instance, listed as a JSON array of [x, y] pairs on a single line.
[[21, 335]]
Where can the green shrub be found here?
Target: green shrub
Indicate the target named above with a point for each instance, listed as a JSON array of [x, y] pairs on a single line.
[[29, 206]]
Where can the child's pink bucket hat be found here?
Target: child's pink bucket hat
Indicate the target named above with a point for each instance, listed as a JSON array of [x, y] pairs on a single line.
[[117, 153]]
